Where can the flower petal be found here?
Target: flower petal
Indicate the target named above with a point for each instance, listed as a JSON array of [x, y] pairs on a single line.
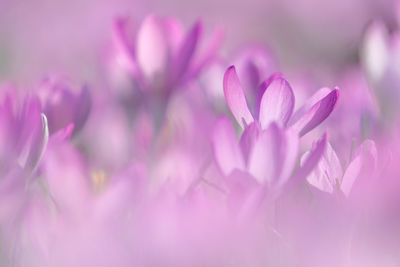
[[362, 166], [226, 148], [328, 173], [274, 155], [310, 161], [236, 99], [186, 52], [277, 103], [248, 138], [317, 113], [152, 47], [311, 101]]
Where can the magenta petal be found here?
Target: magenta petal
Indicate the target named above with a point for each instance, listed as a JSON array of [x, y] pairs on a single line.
[[321, 93], [186, 52], [317, 113], [277, 103], [83, 108], [152, 47], [362, 166], [236, 99], [227, 152]]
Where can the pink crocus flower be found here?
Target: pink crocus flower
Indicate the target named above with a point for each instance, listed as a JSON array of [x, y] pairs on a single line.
[[64, 103], [275, 103], [269, 156], [161, 55]]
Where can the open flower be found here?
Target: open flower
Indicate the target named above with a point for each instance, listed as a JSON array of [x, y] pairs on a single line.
[[269, 155], [161, 55], [275, 103]]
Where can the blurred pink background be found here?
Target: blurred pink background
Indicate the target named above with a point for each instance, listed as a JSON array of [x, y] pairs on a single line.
[[42, 36]]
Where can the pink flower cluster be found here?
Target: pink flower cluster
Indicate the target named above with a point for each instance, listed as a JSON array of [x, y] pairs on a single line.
[[184, 157]]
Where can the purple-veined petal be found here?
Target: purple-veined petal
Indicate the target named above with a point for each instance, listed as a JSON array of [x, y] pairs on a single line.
[[317, 113], [152, 48], [236, 99], [328, 173], [227, 151], [362, 166], [321, 93], [277, 103]]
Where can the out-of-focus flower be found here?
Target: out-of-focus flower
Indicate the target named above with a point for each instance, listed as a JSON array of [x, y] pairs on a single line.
[[64, 104], [269, 155], [381, 59], [161, 56]]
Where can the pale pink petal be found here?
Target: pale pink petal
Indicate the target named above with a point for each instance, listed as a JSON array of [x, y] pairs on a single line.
[[236, 99], [317, 113], [375, 51], [360, 169], [152, 48], [328, 174], [248, 138], [265, 159], [289, 155], [261, 90], [277, 103], [227, 151]]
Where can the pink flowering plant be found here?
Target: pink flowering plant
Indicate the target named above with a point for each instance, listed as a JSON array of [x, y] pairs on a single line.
[[172, 156]]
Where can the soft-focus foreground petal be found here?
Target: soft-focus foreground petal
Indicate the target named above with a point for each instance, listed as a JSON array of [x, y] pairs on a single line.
[[277, 103], [317, 113], [226, 147], [236, 99], [360, 169]]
